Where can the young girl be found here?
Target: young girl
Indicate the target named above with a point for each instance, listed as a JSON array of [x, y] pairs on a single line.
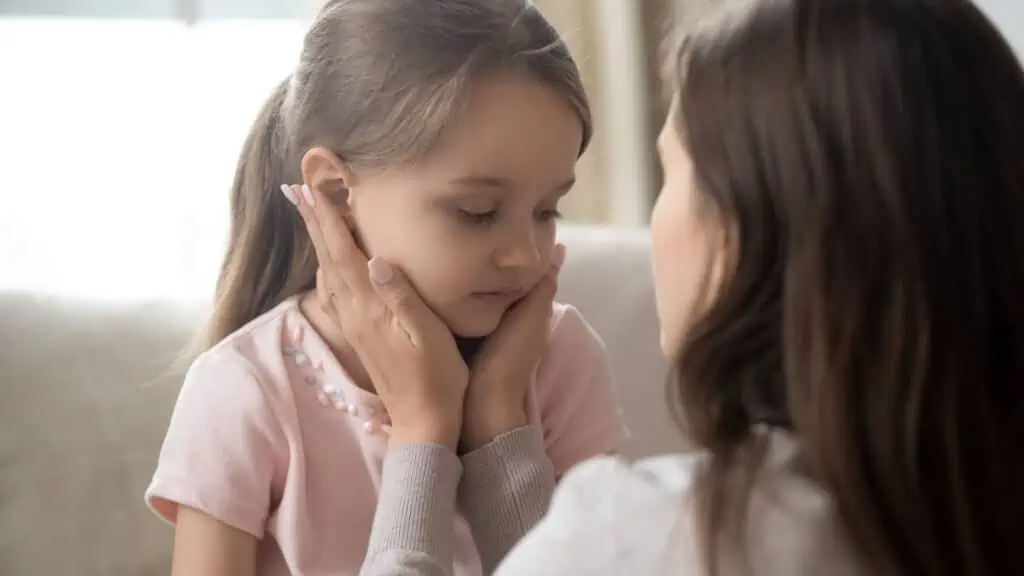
[[448, 131]]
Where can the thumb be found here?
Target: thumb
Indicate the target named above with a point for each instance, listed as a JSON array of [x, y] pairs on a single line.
[[538, 301], [397, 293], [534, 310], [537, 304]]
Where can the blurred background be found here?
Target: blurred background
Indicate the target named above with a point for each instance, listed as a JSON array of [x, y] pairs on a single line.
[[120, 123]]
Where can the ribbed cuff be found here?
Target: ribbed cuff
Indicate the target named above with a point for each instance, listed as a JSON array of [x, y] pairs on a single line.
[[505, 491], [416, 504]]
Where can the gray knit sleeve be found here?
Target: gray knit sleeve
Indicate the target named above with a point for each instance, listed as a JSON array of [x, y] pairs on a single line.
[[412, 526], [505, 491]]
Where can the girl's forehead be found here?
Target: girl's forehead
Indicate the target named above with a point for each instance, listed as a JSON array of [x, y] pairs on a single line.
[[514, 134]]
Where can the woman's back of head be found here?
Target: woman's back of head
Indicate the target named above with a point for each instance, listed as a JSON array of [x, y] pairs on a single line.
[[865, 159]]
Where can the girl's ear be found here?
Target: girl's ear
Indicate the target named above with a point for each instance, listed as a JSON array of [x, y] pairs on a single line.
[[324, 171], [333, 177]]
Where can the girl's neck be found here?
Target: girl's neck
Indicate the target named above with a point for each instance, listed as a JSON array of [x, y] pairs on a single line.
[[331, 333]]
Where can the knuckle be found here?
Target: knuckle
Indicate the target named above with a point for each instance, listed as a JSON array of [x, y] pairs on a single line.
[[359, 331], [399, 298], [376, 315]]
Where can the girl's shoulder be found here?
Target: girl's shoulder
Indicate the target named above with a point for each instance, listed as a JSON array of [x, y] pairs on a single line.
[[273, 328], [575, 394], [260, 357], [574, 360], [572, 341]]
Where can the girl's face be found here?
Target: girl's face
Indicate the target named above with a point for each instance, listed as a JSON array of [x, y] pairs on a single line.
[[473, 224]]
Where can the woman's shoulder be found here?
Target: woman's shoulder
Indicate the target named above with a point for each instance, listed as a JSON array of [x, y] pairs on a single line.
[[614, 486], [608, 514]]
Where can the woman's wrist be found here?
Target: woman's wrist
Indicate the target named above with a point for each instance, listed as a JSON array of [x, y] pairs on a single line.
[[482, 424], [427, 432]]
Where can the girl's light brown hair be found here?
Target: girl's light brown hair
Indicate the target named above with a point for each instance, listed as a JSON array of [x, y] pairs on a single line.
[[868, 156], [377, 82]]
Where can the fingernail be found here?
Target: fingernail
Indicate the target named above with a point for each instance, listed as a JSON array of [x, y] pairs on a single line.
[[558, 258], [308, 195], [289, 194], [380, 271]]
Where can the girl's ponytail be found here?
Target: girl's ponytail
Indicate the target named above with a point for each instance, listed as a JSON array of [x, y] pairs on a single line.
[[269, 257]]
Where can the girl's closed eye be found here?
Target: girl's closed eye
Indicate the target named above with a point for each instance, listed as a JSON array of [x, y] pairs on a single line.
[[490, 216], [547, 214], [478, 216]]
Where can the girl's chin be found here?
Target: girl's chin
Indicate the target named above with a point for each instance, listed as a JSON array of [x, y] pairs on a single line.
[[476, 328]]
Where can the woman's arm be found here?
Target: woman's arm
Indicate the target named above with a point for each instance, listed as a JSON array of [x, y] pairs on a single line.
[[505, 490], [413, 525], [205, 546]]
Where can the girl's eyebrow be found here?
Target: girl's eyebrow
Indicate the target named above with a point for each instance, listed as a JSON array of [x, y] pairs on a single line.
[[481, 182], [490, 183]]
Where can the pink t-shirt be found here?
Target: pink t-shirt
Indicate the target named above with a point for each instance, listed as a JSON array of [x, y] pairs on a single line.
[[264, 438]]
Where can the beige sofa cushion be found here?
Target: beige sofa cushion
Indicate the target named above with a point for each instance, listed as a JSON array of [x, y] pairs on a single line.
[[86, 392]]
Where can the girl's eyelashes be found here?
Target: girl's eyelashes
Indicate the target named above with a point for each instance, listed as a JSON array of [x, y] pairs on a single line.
[[485, 217], [550, 214], [490, 216]]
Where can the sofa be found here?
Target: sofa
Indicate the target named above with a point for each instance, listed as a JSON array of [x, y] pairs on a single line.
[[87, 387]]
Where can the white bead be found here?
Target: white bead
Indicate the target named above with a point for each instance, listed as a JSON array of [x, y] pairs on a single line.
[[353, 409], [301, 359]]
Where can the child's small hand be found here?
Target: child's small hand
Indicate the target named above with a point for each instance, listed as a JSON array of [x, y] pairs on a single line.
[[496, 397], [407, 350]]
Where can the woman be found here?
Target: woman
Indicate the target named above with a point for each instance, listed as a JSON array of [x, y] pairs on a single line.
[[839, 266]]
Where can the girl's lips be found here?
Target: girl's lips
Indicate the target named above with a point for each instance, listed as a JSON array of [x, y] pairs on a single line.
[[504, 297]]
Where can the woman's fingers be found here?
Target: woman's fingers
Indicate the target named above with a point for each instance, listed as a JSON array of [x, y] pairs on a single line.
[[537, 304], [337, 238], [399, 295], [342, 264], [323, 256], [558, 258], [323, 293]]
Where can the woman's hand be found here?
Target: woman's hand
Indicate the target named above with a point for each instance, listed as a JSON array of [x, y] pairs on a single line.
[[407, 350], [496, 398]]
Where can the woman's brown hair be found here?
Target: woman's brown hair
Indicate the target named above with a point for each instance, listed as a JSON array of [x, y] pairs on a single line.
[[868, 158], [377, 82]]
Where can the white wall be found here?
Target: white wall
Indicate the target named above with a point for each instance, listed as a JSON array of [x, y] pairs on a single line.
[[1009, 17], [117, 148]]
